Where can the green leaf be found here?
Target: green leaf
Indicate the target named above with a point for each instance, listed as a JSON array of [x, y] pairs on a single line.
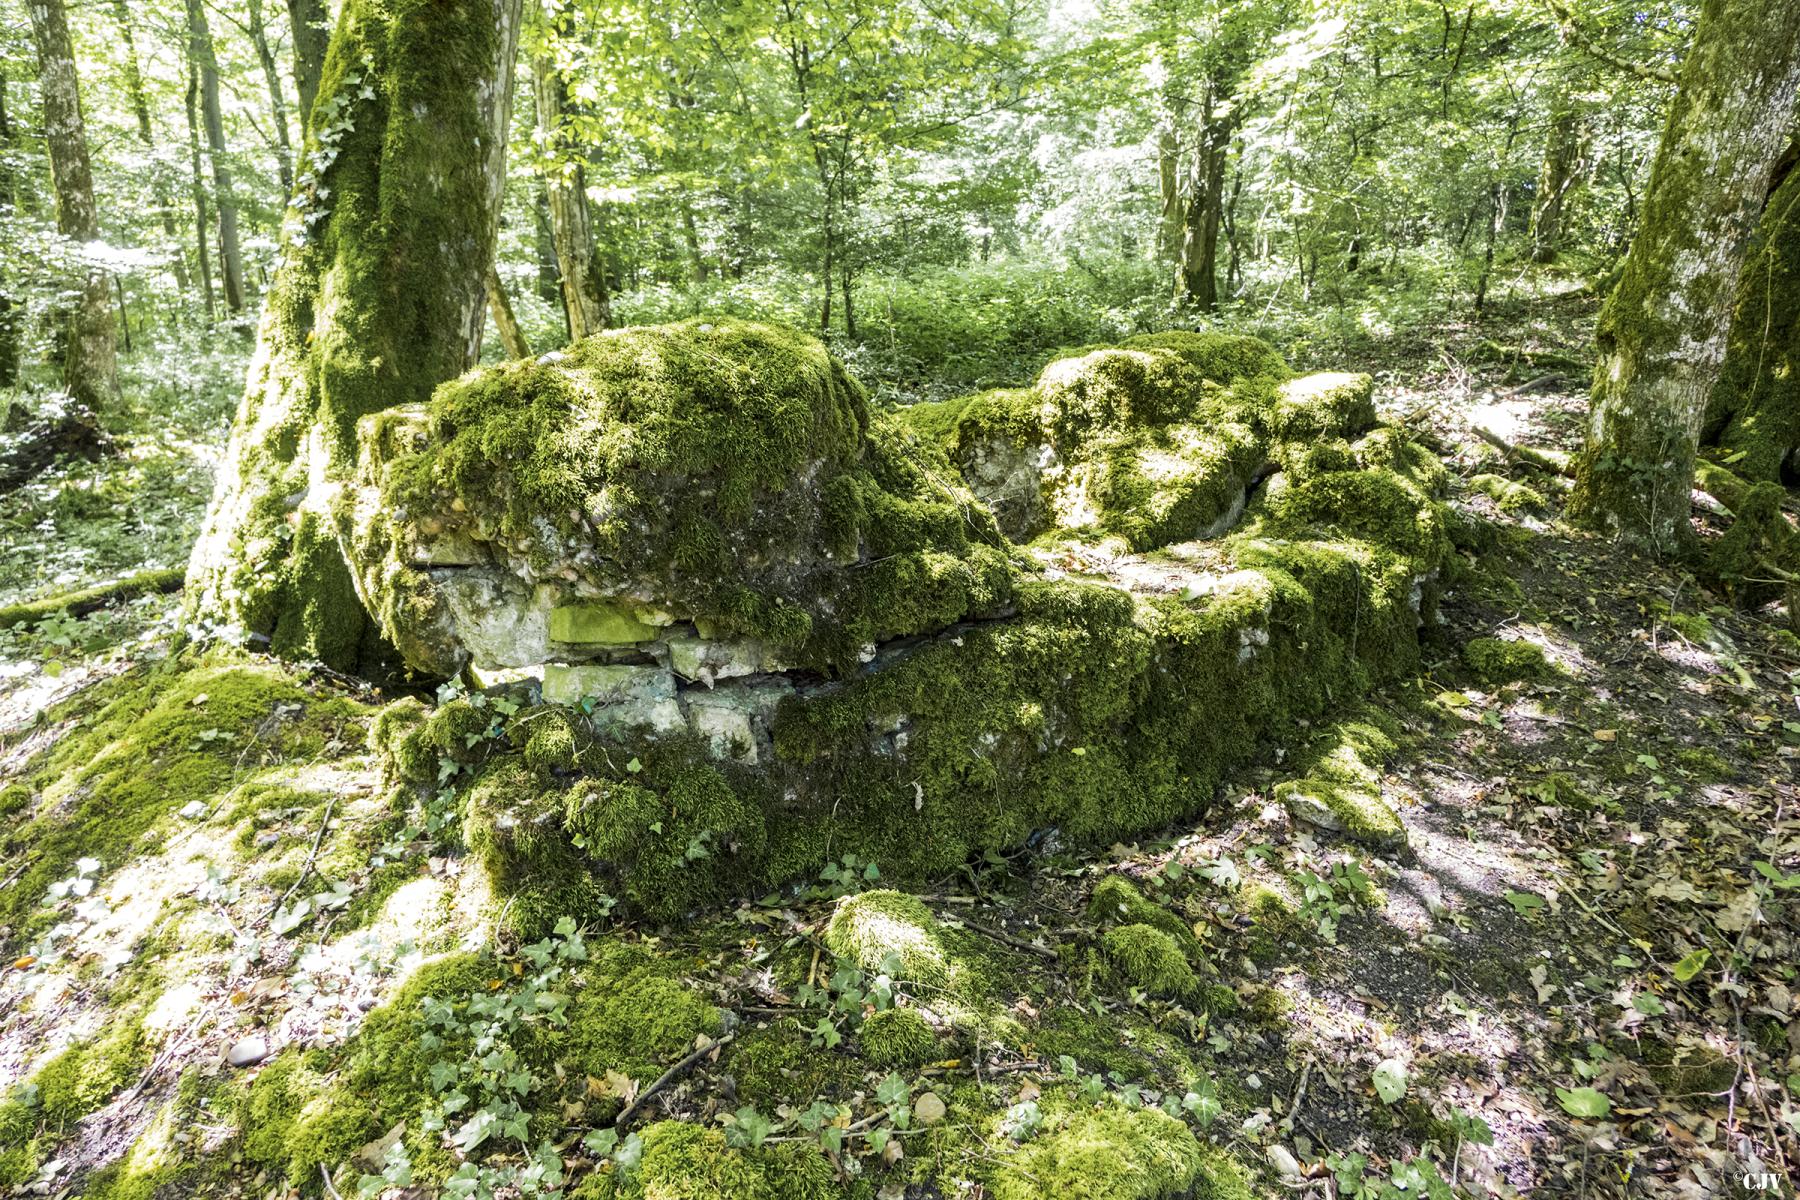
[[1583, 1102], [1524, 903], [1390, 1080], [1691, 965]]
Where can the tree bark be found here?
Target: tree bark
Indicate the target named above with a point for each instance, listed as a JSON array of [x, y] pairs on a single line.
[[565, 187], [1662, 333], [1196, 280], [231, 255], [1562, 152], [309, 23], [197, 192], [90, 359], [284, 149], [1753, 414], [512, 338], [378, 298]]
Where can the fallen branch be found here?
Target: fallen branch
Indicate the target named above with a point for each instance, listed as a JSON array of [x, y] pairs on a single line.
[[310, 856], [1000, 935], [87, 600], [667, 1077], [1555, 464]]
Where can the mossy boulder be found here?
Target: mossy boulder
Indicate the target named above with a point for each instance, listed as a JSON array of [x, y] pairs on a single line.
[[1147, 957], [1340, 789], [892, 933], [1497, 661], [713, 478], [1156, 440]]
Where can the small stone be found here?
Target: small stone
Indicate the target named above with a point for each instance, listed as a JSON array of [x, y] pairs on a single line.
[[598, 623], [928, 1109], [193, 810], [1284, 1162], [248, 1051]]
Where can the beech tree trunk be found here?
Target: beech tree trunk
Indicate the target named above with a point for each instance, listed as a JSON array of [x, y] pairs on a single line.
[[310, 31], [378, 298], [10, 306], [1753, 415], [197, 193], [565, 186], [1662, 333], [231, 256], [1168, 180], [90, 357]]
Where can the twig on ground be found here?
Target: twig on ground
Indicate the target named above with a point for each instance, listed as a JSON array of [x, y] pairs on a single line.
[[668, 1077]]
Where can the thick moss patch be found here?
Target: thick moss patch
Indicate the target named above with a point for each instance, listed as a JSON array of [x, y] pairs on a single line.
[[1104, 1153]]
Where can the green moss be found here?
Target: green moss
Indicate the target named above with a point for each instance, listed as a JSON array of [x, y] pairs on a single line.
[[1341, 784], [685, 1161], [1117, 901], [1148, 958], [897, 1037], [75, 1083], [296, 1120], [631, 1014], [1497, 661], [1105, 1153], [1509, 496], [145, 744], [889, 932], [780, 1063]]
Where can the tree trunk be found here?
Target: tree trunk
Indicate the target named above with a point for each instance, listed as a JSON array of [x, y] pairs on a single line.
[[284, 149], [1562, 151], [309, 23], [90, 360], [1196, 282], [505, 323], [140, 108], [549, 285], [1753, 414], [1168, 179], [378, 298], [197, 190], [231, 256], [1662, 333], [9, 303], [565, 186]]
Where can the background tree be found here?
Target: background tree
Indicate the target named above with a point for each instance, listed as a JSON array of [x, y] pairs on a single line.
[[1662, 334], [89, 353]]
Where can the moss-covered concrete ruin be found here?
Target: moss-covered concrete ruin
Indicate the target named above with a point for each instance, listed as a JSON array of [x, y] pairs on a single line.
[[736, 625]]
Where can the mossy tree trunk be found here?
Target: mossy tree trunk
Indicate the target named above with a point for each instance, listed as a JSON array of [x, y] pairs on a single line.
[[90, 356], [1196, 280], [265, 57], [140, 109], [1662, 333], [1753, 416], [379, 297], [1556, 179], [309, 28]]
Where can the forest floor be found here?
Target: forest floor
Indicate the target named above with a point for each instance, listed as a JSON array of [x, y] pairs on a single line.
[[1575, 979]]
